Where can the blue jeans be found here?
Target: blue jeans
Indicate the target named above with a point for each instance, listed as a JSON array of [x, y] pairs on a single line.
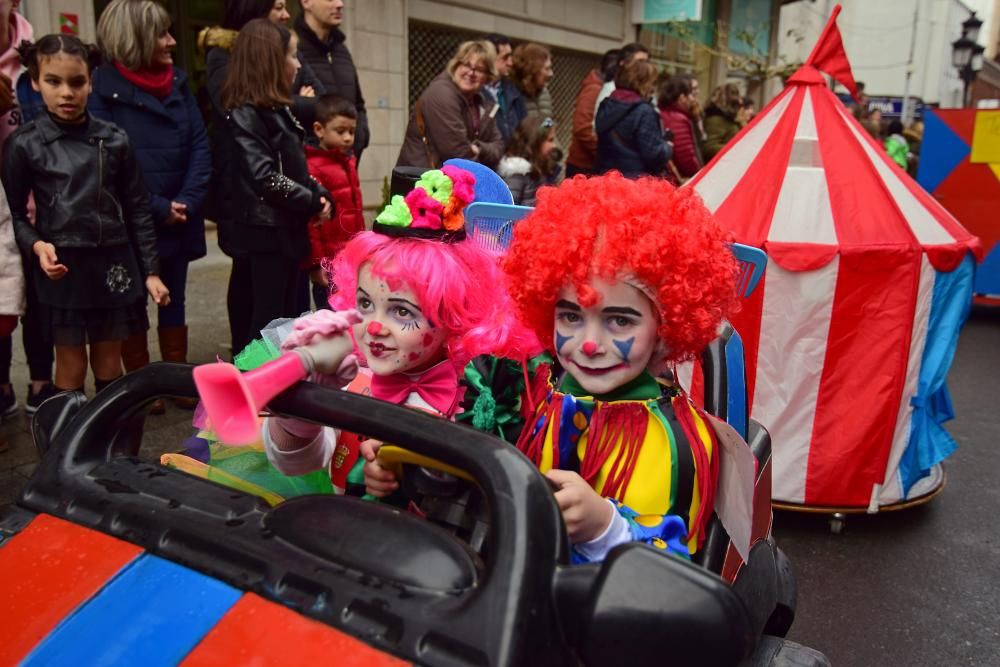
[[173, 273]]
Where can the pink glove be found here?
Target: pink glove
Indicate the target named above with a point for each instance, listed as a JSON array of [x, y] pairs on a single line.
[[319, 339], [322, 323]]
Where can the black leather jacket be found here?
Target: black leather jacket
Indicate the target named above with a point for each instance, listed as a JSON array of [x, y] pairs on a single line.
[[88, 189], [272, 186]]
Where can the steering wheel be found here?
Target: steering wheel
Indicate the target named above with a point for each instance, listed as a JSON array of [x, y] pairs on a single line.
[[364, 567]]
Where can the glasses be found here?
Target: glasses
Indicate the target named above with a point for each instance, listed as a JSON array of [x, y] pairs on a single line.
[[481, 71]]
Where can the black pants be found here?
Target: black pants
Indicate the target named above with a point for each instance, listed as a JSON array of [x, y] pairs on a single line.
[[37, 342], [239, 303], [35, 336], [303, 294], [275, 288], [321, 297]]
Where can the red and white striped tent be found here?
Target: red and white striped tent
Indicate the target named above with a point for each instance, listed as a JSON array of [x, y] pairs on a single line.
[[849, 338]]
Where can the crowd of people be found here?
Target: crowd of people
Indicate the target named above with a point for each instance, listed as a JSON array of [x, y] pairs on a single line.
[[275, 166], [902, 144], [109, 174]]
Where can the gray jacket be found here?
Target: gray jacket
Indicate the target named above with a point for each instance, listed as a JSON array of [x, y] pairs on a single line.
[[450, 128]]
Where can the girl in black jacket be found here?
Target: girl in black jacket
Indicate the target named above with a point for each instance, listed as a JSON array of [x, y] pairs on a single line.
[[93, 236], [273, 192]]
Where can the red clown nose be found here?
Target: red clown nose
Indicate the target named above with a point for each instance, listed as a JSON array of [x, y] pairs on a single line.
[[374, 328], [589, 348]]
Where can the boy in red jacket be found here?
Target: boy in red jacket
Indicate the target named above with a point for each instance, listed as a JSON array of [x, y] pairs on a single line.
[[333, 165]]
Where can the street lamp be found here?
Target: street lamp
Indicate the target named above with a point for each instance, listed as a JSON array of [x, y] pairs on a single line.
[[967, 55]]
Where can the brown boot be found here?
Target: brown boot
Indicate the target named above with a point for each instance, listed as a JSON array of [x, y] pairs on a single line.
[[135, 355], [174, 347]]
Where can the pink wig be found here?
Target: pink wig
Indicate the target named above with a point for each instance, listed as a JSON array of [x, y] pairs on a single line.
[[459, 285]]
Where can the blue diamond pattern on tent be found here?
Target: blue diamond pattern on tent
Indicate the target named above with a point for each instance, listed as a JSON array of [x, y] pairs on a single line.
[[949, 151]]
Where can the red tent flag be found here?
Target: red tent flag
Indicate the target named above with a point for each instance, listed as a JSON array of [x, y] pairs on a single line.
[[829, 56]]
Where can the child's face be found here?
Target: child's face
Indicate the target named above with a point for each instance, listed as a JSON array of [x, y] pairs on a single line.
[[64, 83], [549, 144], [609, 344], [394, 335], [337, 134]]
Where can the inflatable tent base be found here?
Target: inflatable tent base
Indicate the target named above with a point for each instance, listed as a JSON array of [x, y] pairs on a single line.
[[922, 493]]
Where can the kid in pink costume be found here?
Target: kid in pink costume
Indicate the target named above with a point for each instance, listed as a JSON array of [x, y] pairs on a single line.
[[427, 300]]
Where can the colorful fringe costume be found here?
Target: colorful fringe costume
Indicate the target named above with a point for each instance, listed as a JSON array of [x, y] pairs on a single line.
[[654, 455]]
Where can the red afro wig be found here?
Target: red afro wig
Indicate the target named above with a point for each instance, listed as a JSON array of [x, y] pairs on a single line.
[[613, 227]]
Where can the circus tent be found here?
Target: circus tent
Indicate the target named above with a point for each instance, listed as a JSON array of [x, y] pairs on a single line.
[[850, 337]]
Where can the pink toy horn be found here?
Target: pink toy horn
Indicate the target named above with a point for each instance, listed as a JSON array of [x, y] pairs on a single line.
[[232, 399]]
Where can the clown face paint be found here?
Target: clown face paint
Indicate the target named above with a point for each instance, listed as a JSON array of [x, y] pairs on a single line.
[[394, 335], [610, 343]]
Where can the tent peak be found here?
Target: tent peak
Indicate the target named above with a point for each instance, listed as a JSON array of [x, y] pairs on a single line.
[[807, 75]]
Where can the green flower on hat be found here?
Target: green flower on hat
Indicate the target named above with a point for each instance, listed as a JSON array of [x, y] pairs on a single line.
[[436, 184], [396, 214]]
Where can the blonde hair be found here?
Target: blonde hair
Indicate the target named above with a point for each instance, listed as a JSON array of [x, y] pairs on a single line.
[[128, 29], [475, 49], [638, 76]]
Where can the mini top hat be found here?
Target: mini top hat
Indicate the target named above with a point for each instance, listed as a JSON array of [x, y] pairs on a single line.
[[432, 209]]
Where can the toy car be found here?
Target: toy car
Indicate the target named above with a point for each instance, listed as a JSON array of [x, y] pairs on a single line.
[[111, 559]]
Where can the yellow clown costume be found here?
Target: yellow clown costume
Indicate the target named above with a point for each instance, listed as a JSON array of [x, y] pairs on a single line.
[[652, 455]]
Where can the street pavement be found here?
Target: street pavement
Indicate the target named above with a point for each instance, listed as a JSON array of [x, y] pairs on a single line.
[[915, 587]]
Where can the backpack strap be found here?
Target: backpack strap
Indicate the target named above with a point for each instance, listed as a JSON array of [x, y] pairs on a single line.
[[418, 117]]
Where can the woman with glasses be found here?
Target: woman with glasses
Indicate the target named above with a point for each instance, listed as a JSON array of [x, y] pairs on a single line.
[[452, 119]]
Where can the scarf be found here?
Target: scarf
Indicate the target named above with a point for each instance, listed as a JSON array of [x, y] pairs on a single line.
[[158, 82]]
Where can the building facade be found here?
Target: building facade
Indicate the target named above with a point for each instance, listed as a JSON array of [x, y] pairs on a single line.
[[878, 38]]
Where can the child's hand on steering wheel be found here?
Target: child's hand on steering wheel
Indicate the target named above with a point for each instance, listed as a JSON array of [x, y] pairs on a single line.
[[379, 482], [586, 514]]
